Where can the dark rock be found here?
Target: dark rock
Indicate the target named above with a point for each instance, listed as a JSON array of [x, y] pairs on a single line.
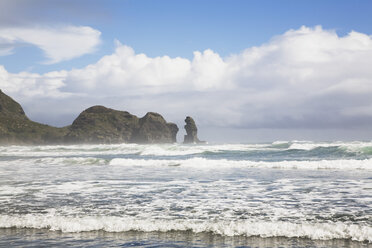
[[154, 129], [16, 128], [96, 124], [10, 107], [191, 132], [173, 130], [99, 124]]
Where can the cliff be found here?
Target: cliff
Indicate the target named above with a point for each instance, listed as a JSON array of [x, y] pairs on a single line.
[[154, 129], [96, 124], [16, 128], [99, 124]]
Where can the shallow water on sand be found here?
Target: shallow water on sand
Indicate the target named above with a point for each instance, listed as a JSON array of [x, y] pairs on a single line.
[[46, 238]]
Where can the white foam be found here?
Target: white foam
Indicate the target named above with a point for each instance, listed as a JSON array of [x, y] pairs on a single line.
[[170, 149], [310, 145], [144, 150], [342, 164], [320, 231], [177, 149], [280, 142], [164, 150], [55, 161], [349, 146], [160, 149], [10, 190], [67, 150]]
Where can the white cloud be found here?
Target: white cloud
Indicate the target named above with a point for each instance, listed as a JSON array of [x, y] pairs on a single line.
[[30, 85], [305, 78], [125, 70], [58, 44]]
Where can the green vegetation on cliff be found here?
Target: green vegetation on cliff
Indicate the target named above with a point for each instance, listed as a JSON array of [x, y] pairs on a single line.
[[99, 124], [154, 129], [16, 128], [96, 124]]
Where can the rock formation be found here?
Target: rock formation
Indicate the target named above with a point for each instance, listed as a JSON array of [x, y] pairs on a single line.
[[96, 124], [99, 124], [16, 128], [154, 129], [191, 132]]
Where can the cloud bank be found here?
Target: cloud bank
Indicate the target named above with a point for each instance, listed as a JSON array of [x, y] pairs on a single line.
[[304, 78]]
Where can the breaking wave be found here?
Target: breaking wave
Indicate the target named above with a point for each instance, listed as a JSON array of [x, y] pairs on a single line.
[[287, 148], [316, 231], [345, 164]]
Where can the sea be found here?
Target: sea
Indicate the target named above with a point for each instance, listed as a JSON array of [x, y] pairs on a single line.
[[279, 194]]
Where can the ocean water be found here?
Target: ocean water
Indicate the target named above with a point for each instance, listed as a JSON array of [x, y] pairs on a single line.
[[280, 194]]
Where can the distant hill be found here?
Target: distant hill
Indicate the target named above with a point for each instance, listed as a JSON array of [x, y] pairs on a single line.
[[96, 124]]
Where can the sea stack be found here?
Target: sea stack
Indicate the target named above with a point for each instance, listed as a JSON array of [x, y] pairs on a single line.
[[191, 132]]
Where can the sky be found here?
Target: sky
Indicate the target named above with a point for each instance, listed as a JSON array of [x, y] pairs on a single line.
[[246, 71]]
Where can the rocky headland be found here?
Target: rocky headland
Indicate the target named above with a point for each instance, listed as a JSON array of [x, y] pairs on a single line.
[[17, 128], [96, 124]]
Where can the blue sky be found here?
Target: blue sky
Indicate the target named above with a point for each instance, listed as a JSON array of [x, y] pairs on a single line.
[[291, 67], [177, 28]]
